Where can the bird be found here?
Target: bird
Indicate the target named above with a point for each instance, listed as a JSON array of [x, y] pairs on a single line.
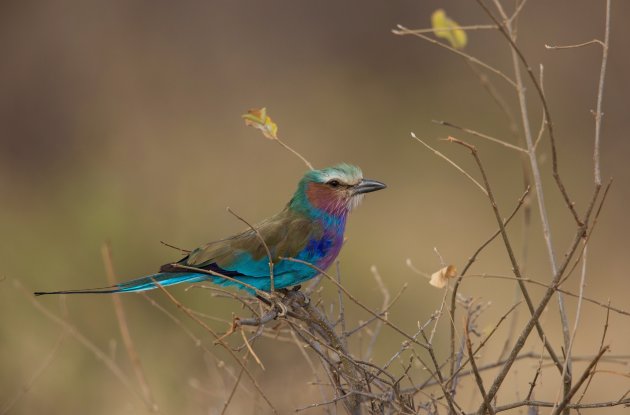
[[303, 239]]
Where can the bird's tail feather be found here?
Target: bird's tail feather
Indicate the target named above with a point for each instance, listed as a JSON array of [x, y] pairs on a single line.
[[139, 284]]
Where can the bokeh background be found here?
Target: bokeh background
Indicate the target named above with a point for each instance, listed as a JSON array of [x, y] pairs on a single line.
[[120, 121]]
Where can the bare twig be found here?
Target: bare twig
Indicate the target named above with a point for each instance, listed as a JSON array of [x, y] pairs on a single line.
[[543, 119], [517, 55], [532, 384], [357, 302], [510, 251], [367, 322], [294, 152], [320, 404], [310, 363], [578, 45], [480, 135], [233, 391], [601, 345], [473, 364], [134, 357], [563, 291], [440, 378], [518, 10], [438, 315], [220, 341], [585, 375], [568, 351], [74, 332], [379, 325], [451, 163], [541, 404], [183, 251], [26, 387], [402, 30], [471, 260], [342, 308], [251, 351], [485, 340], [600, 96], [520, 341], [435, 30]]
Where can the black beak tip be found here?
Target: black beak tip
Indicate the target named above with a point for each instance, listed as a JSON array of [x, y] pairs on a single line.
[[367, 186]]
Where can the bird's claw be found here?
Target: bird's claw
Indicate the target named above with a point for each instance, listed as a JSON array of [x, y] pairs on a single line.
[[306, 300], [283, 298], [283, 310], [277, 299]]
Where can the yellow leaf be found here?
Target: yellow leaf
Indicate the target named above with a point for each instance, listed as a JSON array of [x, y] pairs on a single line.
[[446, 28], [259, 119], [440, 278]]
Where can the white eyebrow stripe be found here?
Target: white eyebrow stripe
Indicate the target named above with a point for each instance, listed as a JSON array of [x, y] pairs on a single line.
[[343, 178]]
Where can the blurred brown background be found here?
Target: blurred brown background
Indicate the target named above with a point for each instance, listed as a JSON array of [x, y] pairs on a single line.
[[120, 121]]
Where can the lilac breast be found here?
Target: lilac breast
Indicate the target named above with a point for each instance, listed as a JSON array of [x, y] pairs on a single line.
[[325, 250]]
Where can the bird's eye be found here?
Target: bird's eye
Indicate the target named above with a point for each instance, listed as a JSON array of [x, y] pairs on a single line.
[[334, 183]]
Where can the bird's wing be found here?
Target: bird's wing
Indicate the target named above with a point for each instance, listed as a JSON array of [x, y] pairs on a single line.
[[285, 234]]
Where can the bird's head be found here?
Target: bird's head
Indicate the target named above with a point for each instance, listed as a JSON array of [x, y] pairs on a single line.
[[334, 190]]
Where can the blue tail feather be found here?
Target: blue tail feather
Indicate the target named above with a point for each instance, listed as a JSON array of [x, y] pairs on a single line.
[[139, 284], [165, 279]]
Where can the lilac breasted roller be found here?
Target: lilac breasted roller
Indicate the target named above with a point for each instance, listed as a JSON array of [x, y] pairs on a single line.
[[310, 228]]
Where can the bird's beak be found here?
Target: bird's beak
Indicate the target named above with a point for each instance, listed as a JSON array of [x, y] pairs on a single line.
[[367, 186]]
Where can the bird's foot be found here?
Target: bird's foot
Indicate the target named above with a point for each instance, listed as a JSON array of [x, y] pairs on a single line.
[[286, 291], [277, 301], [280, 306], [296, 297], [282, 299]]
